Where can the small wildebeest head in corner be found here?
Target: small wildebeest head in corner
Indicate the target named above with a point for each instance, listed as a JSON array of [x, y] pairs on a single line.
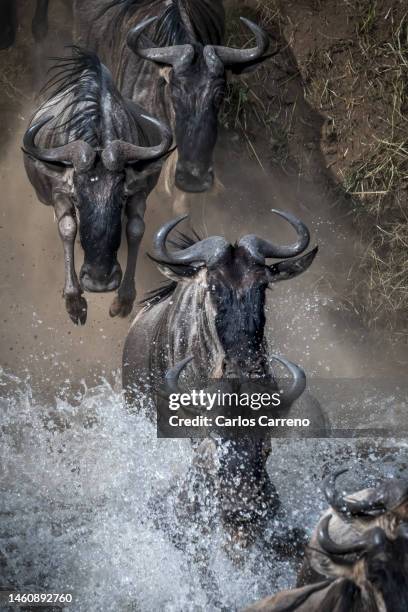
[[370, 574], [385, 506], [94, 156], [196, 75]]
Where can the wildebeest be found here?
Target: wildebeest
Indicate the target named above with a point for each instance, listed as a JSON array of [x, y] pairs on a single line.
[[8, 21], [214, 309], [93, 155], [384, 506], [178, 72], [370, 574]]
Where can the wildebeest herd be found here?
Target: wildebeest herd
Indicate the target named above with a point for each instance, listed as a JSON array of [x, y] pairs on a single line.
[[145, 84]]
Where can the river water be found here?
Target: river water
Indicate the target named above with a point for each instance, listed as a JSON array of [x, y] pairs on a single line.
[[80, 482]]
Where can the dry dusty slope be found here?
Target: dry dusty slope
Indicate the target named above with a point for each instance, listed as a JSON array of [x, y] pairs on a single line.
[[334, 100]]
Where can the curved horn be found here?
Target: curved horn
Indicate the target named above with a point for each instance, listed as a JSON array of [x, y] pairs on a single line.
[[331, 547], [178, 56], [298, 383], [261, 249], [207, 251], [230, 57], [351, 507], [119, 153], [173, 374], [78, 153], [171, 380], [333, 497]]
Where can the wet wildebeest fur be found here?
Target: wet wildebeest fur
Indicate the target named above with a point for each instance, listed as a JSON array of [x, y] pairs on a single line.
[[8, 22], [384, 506], [168, 56], [93, 156], [369, 574], [214, 309]]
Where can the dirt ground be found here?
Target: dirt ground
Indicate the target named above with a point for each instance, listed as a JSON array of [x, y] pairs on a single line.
[[336, 110], [260, 169]]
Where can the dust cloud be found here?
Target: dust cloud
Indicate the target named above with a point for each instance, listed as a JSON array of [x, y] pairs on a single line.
[[37, 338]]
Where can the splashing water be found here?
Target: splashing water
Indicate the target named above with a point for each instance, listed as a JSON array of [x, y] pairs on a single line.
[[79, 486]]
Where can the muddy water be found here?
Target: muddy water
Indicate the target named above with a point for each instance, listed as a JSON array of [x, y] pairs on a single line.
[[79, 475]]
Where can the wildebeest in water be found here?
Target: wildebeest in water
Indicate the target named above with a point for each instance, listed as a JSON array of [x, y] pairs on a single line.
[[385, 506], [364, 573], [214, 309], [93, 156], [168, 56]]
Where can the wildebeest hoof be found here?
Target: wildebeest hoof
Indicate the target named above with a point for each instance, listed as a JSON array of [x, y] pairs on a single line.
[[76, 308], [121, 307]]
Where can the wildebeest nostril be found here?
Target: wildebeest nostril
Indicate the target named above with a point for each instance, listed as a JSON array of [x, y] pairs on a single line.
[[194, 180], [99, 281]]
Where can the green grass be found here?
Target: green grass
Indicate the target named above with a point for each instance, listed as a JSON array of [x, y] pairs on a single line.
[[245, 102]]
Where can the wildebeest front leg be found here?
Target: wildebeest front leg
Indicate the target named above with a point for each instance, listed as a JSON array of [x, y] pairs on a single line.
[[39, 25], [123, 303], [67, 227]]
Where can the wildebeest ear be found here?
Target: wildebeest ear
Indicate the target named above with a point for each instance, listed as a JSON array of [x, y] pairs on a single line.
[[54, 171], [165, 73], [284, 270], [250, 66], [134, 181], [175, 274]]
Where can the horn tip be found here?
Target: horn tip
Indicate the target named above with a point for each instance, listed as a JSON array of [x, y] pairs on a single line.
[[324, 523], [138, 29], [333, 476], [181, 218], [246, 20]]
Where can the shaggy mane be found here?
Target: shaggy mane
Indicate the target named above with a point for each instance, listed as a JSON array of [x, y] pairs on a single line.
[[83, 81], [207, 18], [80, 75], [158, 295]]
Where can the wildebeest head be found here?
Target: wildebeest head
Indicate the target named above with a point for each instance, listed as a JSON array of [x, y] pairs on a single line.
[[370, 576], [377, 564], [236, 278], [97, 181], [197, 81]]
